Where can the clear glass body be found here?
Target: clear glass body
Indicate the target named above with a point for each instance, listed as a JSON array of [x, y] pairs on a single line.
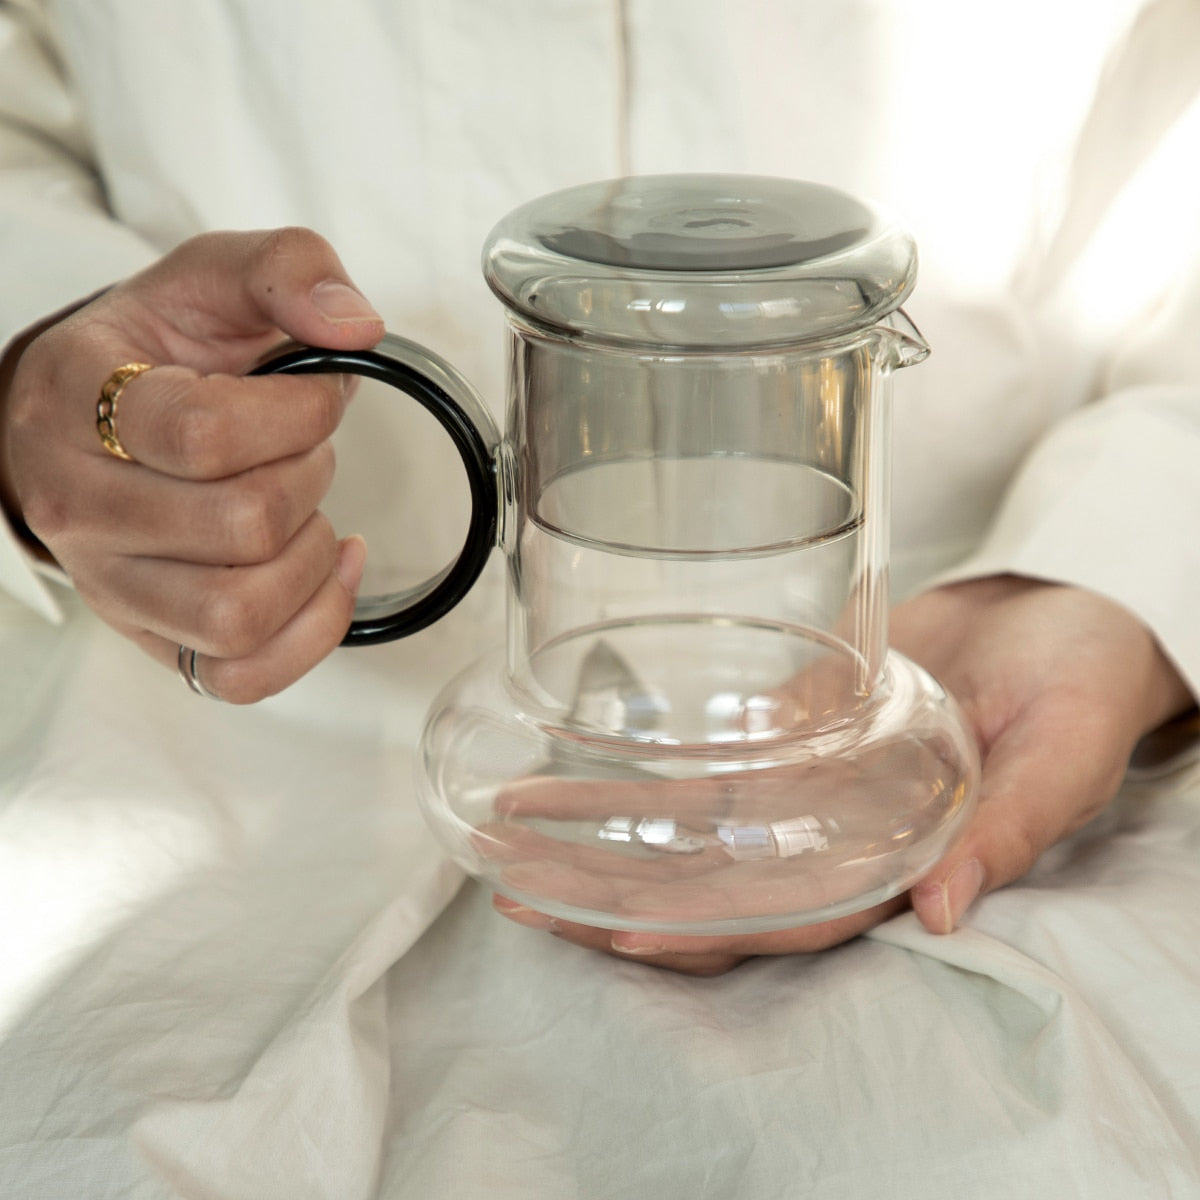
[[697, 725], [685, 513]]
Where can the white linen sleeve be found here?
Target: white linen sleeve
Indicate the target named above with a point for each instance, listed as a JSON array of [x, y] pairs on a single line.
[[58, 242], [1109, 499]]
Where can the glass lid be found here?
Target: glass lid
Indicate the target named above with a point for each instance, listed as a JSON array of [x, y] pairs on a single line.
[[700, 261]]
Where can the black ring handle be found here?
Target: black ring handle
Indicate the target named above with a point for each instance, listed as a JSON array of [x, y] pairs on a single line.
[[470, 427]]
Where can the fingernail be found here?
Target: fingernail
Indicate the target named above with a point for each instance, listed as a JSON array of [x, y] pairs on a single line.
[[523, 915], [960, 890], [340, 303], [636, 944], [351, 559]]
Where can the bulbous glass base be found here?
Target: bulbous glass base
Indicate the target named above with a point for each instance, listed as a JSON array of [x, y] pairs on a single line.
[[634, 829]]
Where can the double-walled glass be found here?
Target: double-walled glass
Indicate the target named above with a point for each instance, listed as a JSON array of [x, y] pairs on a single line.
[[705, 521], [696, 723]]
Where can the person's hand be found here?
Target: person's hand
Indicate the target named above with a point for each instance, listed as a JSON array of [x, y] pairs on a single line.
[[1057, 685], [211, 538]]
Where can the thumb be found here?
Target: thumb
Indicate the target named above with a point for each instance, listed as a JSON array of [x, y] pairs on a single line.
[[246, 285], [1043, 778]]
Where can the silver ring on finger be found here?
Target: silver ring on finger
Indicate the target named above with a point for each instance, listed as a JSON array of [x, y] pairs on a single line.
[[188, 673]]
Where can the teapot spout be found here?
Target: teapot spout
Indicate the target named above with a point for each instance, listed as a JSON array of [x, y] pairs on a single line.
[[905, 340]]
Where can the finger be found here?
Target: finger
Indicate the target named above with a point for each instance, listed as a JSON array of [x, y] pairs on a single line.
[[304, 641], [700, 963], [703, 956], [245, 520], [316, 630], [226, 297], [205, 427], [803, 939], [679, 891], [1046, 776], [793, 892], [226, 612], [700, 966]]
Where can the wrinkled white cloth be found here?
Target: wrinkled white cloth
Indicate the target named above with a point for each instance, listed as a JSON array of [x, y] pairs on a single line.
[[224, 988], [223, 973]]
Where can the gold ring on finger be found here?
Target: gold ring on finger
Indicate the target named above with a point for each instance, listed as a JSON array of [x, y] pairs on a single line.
[[106, 407]]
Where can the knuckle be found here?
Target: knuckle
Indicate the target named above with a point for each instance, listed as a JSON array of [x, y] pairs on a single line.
[[257, 521], [229, 624], [47, 513], [196, 436], [279, 248], [38, 376], [25, 406], [244, 681], [201, 246]]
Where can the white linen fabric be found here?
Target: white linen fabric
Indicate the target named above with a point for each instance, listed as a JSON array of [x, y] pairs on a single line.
[[227, 967]]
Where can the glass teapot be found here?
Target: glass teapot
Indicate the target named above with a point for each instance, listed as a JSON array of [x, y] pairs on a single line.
[[696, 725]]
